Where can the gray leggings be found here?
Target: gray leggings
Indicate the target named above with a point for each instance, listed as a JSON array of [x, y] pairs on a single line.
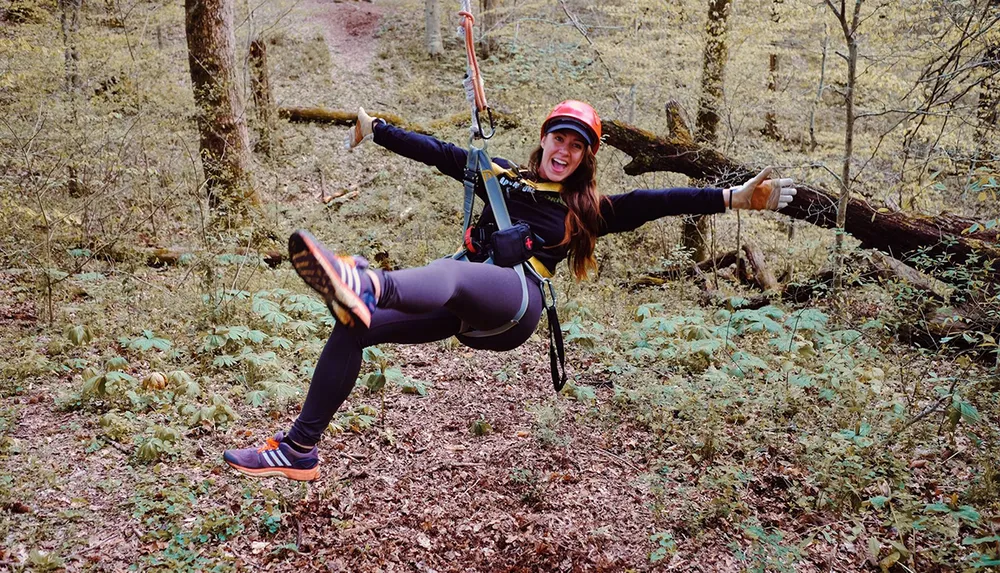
[[419, 305]]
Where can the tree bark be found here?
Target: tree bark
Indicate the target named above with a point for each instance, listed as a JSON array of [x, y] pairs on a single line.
[[987, 108], [263, 100], [695, 227], [771, 118], [898, 234], [432, 28], [488, 17], [70, 23], [713, 70], [850, 35], [225, 142]]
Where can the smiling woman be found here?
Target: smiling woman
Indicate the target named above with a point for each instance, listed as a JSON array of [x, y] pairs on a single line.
[[560, 213]]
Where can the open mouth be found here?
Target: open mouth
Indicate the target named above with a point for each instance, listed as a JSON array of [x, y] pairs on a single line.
[[558, 166]]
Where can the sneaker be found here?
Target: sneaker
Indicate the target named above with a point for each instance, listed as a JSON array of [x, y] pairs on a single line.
[[342, 281], [275, 458]]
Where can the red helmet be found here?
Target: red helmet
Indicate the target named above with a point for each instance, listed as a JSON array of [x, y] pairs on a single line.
[[578, 116]]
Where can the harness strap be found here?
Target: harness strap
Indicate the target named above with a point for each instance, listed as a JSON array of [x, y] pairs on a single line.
[[556, 349], [481, 160]]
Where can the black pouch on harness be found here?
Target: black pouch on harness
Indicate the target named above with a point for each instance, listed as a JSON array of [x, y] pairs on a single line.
[[513, 246]]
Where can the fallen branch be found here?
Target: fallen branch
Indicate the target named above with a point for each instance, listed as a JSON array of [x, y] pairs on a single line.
[[762, 276], [348, 118], [897, 234]]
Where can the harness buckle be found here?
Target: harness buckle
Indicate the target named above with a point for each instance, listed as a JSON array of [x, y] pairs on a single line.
[[547, 284]]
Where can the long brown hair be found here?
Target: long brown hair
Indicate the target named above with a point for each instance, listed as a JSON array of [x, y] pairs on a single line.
[[579, 192]]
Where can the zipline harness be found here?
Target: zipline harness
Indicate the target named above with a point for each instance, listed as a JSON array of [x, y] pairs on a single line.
[[512, 244]]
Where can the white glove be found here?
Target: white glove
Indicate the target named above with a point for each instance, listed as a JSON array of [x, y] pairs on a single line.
[[761, 193], [362, 130]]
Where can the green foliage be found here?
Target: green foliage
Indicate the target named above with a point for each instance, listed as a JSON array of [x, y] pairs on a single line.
[[113, 385], [767, 550], [49, 561], [78, 334], [162, 442], [580, 393], [531, 485], [357, 420], [217, 413], [145, 342], [547, 421], [665, 546], [118, 427], [480, 427]]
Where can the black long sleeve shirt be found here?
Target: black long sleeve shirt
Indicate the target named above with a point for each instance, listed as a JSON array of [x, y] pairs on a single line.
[[619, 213]]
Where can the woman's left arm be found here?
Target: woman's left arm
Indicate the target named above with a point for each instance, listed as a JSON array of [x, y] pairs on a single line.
[[628, 211]]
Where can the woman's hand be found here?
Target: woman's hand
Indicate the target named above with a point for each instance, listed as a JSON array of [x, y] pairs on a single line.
[[362, 130], [761, 193]]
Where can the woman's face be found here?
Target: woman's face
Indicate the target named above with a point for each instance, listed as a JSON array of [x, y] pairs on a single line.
[[562, 152]]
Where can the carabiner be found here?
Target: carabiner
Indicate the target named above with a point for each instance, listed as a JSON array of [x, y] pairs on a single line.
[[479, 124], [552, 293]]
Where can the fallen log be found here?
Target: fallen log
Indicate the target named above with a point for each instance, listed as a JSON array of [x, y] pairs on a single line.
[[347, 118], [900, 235]]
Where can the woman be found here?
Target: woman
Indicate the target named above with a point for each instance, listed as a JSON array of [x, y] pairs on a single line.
[[446, 298]]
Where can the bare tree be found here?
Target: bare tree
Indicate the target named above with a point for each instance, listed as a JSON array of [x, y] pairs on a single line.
[[432, 28], [260, 83], [225, 143], [695, 228], [849, 25], [487, 39], [70, 20], [771, 118], [70, 25], [989, 98]]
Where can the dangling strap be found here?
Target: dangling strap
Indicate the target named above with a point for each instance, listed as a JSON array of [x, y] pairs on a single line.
[[556, 349]]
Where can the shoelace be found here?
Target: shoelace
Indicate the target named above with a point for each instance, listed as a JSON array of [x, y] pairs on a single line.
[[270, 445]]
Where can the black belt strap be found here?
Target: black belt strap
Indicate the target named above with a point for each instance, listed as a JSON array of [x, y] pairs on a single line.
[[557, 353]]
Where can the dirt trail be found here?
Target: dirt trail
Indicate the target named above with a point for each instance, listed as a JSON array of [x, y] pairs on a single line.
[[349, 29]]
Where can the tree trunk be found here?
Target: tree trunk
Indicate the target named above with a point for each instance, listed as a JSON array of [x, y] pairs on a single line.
[[713, 71], [70, 25], [989, 98], [770, 118], [488, 27], [263, 100], [850, 34], [432, 28], [895, 233], [225, 143], [695, 227], [694, 236], [70, 20]]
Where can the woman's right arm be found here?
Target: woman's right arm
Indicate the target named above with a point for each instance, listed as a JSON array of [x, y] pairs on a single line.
[[449, 159]]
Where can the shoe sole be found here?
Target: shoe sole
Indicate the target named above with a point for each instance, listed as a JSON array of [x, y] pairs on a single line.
[[317, 271], [292, 474]]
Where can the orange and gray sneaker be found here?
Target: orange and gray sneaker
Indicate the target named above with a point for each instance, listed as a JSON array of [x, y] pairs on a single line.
[[275, 458], [343, 281]]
